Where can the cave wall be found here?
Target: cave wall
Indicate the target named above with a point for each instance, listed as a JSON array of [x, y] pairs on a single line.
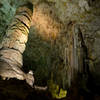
[[52, 18]]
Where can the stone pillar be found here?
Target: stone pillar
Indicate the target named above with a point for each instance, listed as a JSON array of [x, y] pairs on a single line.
[[13, 44]]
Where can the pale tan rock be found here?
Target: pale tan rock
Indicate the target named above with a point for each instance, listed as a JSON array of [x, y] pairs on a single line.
[[44, 21], [7, 72], [29, 78], [19, 46], [11, 56]]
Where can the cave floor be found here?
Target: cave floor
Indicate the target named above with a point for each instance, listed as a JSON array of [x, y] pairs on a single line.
[[18, 90]]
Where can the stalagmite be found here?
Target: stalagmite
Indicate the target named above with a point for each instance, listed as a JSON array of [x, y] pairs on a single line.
[[13, 45]]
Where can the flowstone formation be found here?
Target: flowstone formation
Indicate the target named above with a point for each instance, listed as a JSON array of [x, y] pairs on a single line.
[[70, 28]]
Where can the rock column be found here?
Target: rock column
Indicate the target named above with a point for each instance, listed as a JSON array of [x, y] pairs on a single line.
[[13, 43]]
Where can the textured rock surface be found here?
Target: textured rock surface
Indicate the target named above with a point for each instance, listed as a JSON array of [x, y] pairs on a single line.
[[13, 45], [84, 13], [57, 45]]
